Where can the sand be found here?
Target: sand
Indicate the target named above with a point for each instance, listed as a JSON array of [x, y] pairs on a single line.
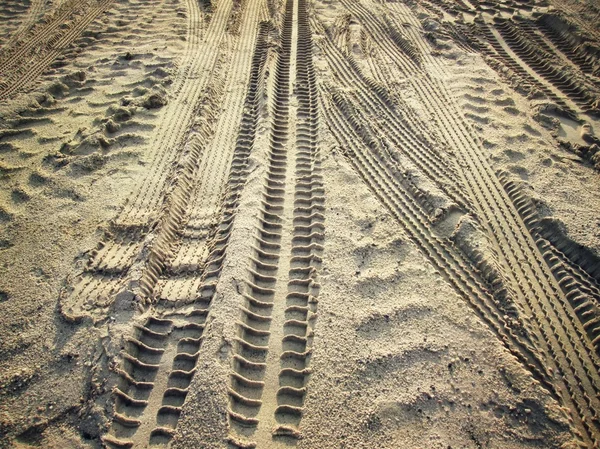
[[313, 224]]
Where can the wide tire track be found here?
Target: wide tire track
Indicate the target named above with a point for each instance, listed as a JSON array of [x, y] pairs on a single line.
[[251, 348], [307, 245], [272, 354]]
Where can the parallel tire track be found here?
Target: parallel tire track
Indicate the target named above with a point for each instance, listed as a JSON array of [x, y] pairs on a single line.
[[173, 261], [189, 179], [32, 15], [560, 335], [123, 246], [570, 348], [401, 137], [579, 288], [307, 244], [187, 263], [530, 54], [175, 351], [18, 69], [252, 346], [269, 379], [442, 256], [494, 49], [143, 372], [568, 44]]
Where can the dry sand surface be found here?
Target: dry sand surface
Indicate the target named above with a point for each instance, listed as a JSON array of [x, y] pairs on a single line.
[[300, 223]]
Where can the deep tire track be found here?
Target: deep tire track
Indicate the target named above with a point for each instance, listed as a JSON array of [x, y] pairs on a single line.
[[272, 355], [579, 288], [252, 346], [307, 245]]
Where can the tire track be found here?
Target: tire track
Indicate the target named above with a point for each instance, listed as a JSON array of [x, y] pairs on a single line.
[[307, 245], [32, 15], [18, 69], [414, 221], [58, 17], [532, 57], [251, 348], [535, 32], [190, 181], [575, 13], [567, 43], [144, 374], [493, 48], [559, 333], [178, 281], [124, 246], [580, 289], [272, 353], [539, 298], [555, 318], [41, 33], [385, 116], [157, 408]]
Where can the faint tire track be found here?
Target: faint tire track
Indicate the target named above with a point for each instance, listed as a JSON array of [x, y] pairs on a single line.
[[33, 14], [18, 69]]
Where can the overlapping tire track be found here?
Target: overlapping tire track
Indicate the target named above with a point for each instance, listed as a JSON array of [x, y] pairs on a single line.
[[491, 45], [580, 289], [415, 222], [159, 364], [10, 56], [167, 247], [558, 334], [401, 137], [557, 45], [358, 123], [581, 14], [34, 12], [188, 183], [532, 57], [173, 262], [558, 314], [125, 245], [178, 285], [514, 43], [565, 42]]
